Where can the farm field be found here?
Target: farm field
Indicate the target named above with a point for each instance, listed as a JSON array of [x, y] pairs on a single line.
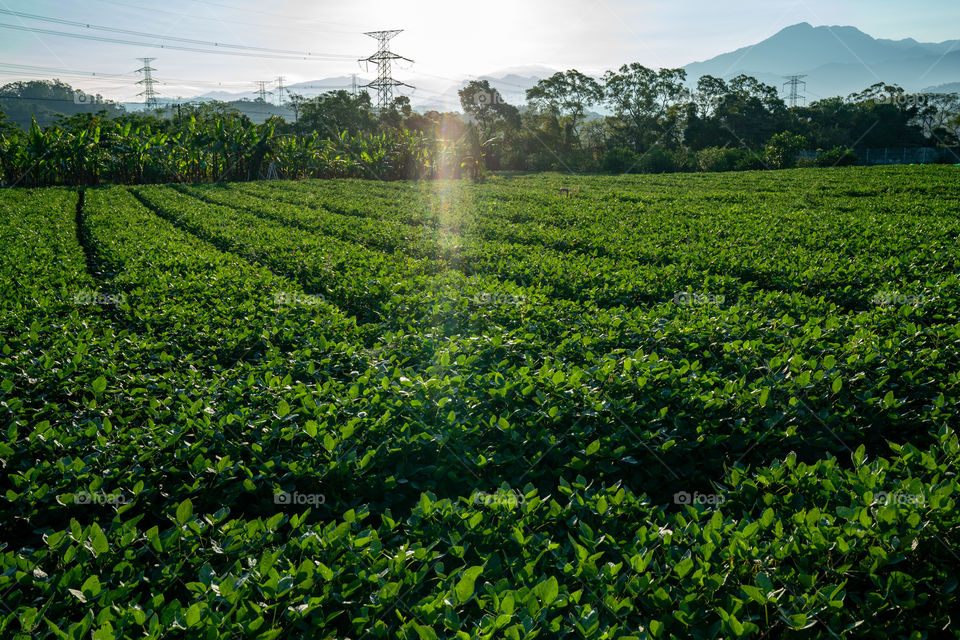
[[692, 406]]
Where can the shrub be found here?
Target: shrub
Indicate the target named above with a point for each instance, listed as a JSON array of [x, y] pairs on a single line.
[[837, 157], [749, 161], [620, 160], [782, 149], [657, 160], [717, 159], [685, 161]]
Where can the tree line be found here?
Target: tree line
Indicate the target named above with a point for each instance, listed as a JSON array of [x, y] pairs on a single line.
[[633, 119], [656, 123]]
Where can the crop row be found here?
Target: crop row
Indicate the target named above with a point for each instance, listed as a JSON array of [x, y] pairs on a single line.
[[237, 415]]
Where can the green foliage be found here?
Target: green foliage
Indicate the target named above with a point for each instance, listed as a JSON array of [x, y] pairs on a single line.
[[718, 159], [645, 103], [219, 150], [742, 124], [697, 406], [658, 160], [837, 157], [620, 160], [336, 112], [47, 101], [782, 149]]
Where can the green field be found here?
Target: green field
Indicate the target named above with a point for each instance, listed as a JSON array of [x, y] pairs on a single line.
[[691, 406]]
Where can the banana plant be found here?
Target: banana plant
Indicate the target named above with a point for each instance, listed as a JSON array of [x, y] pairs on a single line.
[[222, 148]]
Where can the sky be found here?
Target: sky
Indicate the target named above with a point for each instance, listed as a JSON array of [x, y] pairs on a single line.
[[447, 41]]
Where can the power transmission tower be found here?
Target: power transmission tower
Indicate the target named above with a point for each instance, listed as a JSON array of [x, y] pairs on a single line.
[[384, 83], [148, 92], [354, 83], [279, 81], [794, 83], [262, 90]]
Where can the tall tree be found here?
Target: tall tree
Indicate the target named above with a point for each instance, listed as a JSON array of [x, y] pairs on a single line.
[[567, 95], [486, 105], [750, 113], [334, 112], [710, 90], [886, 116], [641, 98]]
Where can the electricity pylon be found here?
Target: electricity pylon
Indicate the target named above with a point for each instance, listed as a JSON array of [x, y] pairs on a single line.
[[262, 90], [794, 83], [384, 83], [148, 92]]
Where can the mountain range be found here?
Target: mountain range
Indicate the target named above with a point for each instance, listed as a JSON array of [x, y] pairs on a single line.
[[835, 60], [838, 61]]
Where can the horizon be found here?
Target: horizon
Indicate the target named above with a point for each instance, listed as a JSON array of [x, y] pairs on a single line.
[[443, 52]]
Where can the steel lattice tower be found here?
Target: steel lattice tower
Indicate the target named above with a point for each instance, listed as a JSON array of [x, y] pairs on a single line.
[[262, 90], [794, 83], [148, 92], [280, 88], [384, 83]]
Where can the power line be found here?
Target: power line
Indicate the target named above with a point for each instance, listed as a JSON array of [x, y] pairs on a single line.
[[384, 83], [33, 69], [148, 82], [142, 34], [220, 20], [255, 11], [72, 101], [219, 51], [100, 74], [29, 70]]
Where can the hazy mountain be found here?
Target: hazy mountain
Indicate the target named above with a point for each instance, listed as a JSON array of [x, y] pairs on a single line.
[[316, 87], [837, 60], [950, 87], [440, 94], [307, 89]]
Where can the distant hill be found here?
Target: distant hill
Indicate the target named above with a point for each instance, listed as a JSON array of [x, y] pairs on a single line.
[[307, 89], [512, 83], [47, 101], [838, 61], [950, 87]]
